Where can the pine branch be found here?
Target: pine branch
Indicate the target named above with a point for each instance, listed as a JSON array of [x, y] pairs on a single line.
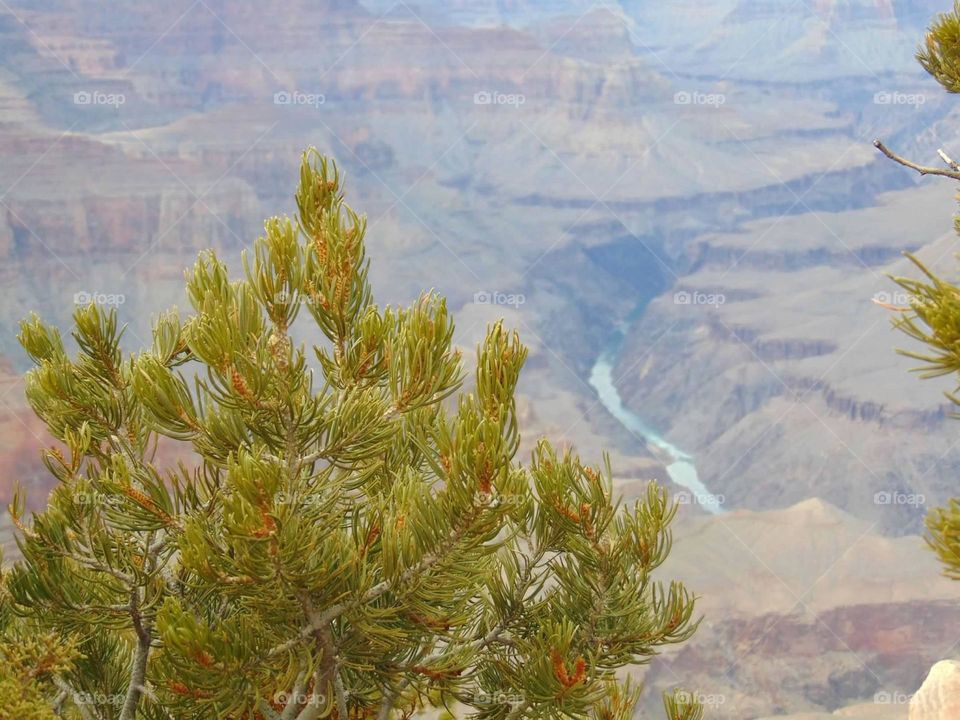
[[341, 693], [328, 660], [86, 712], [123, 577], [952, 173], [299, 690], [477, 645], [334, 612], [138, 670], [327, 617], [267, 711], [315, 703], [389, 698]]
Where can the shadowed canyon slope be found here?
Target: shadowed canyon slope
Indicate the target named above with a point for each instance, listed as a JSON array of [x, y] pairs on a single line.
[[805, 396]]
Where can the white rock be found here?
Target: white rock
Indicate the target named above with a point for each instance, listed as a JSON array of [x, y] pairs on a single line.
[[939, 696]]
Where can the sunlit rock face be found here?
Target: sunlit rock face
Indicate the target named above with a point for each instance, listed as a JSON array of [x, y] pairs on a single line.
[[939, 696]]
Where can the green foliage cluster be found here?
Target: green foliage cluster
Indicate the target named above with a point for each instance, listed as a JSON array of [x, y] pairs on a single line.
[[355, 538], [940, 54], [933, 320], [933, 316]]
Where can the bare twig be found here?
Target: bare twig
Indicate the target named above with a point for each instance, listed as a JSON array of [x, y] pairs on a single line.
[[58, 702], [948, 160], [85, 710], [923, 170], [890, 307]]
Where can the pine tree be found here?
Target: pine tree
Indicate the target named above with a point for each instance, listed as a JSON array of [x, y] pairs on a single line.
[[933, 314], [355, 538]]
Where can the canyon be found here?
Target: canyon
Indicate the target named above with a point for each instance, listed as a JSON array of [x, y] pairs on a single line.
[[688, 189]]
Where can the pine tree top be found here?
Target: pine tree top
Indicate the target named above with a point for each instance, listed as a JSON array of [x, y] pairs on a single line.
[[355, 537]]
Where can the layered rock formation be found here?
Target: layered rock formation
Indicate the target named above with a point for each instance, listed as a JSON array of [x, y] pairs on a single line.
[[508, 196], [805, 609], [794, 374]]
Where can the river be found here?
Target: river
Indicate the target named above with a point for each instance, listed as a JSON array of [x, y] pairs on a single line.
[[680, 466]]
